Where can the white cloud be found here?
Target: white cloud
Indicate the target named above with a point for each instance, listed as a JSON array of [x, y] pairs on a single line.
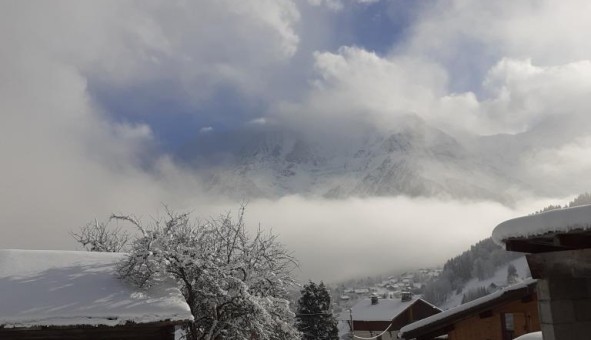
[[518, 95], [206, 129], [562, 169], [523, 94], [197, 44], [354, 84], [337, 5], [340, 239], [66, 160], [334, 5], [258, 121]]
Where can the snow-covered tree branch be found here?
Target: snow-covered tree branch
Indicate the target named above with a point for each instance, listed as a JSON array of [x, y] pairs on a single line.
[[97, 236], [235, 283]]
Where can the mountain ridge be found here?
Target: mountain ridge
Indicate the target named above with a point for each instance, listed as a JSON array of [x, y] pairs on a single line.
[[414, 159]]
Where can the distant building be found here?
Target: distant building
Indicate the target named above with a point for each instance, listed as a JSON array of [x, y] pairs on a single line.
[[373, 316], [77, 295], [503, 315]]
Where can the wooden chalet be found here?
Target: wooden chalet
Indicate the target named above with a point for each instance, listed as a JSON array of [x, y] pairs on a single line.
[[559, 247], [503, 315], [78, 295], [371, 317]]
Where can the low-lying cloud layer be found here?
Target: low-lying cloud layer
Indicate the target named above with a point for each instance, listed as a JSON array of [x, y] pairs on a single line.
[[341, 239], [79, 80]]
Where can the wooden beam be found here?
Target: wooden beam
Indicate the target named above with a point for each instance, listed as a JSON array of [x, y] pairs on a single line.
[[574, 241], [533, 246]]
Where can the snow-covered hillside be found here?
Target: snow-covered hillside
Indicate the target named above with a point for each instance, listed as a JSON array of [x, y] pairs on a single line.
[[499, 279]]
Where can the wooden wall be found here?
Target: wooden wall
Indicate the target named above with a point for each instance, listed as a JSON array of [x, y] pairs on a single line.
[[489, 325]]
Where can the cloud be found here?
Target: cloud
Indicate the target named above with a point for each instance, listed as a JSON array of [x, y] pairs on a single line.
[[354, 84], [334, 5], [337, 5], [518, 96], [118, 45], [258, 121], [523, 95], [68, 157], [566, 165], [205, 129], [339, 239]]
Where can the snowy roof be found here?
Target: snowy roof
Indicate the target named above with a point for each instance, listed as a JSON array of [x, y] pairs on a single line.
[[66, 288], [467, 308], [384, 310], [560, 220], [531, 336]]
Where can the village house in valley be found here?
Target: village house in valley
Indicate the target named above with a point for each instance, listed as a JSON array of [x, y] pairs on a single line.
[[78, 295], [384, 317], [503, 315]]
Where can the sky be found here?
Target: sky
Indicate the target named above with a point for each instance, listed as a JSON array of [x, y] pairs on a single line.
[[97, 96]]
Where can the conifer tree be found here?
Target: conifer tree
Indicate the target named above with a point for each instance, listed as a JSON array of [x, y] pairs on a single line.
[[511, 274], [314, 317]]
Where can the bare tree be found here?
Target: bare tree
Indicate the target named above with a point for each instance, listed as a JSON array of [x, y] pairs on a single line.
[[97, 236]]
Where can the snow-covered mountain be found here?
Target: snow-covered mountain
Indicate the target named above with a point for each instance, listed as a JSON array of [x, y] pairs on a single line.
[[413, 159]]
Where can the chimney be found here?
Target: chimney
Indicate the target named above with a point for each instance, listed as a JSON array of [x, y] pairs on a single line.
[[406, 296], [374, 299]]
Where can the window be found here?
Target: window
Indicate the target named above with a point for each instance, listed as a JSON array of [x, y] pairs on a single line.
[[508, 322]]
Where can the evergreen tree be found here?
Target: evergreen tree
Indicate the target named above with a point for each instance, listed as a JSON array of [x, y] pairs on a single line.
[[314, 318], [582, 199], [511, 274]]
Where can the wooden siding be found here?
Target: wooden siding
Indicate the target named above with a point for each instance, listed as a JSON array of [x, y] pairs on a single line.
[[489, 325]]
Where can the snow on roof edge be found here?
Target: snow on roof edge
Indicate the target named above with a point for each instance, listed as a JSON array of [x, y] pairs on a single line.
[[531, 336], [565, 220], [468, 305]]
